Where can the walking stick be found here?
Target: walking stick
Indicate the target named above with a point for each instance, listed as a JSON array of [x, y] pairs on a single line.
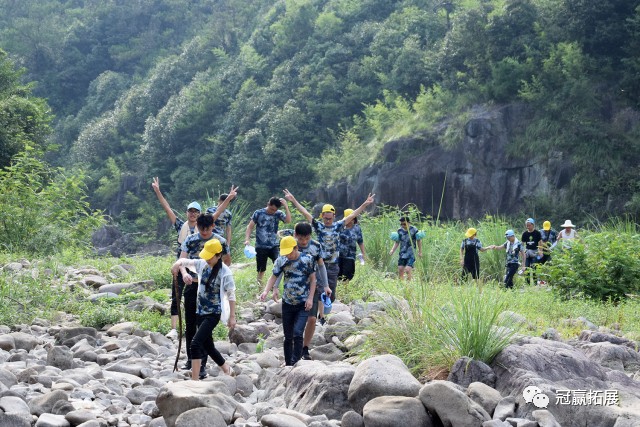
[[176, 289]]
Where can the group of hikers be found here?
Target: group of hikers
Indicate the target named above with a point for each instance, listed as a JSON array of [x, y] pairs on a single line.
[[308, 269], [534, 248]]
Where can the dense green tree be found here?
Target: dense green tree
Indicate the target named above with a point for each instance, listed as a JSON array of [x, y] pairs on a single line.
[[24, 119]]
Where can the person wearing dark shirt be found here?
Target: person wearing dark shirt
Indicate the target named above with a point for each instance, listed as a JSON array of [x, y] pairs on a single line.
[[531, 239]]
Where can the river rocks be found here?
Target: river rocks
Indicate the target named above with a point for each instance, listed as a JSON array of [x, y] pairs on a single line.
[[315, 388], [59, 373], [554, 366], [176, 398], [201, 417], [386, 411], [384, 375], [466, 371], [452, 406]]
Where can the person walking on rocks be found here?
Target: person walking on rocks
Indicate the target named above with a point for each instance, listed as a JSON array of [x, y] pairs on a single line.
[[328, 234], [266, 221], [297, 297], [223, 225], [407, 241], [191, 249], [350, 236], [515, 256], [184, 230], [214, 284], [469, 259], [308, 246]]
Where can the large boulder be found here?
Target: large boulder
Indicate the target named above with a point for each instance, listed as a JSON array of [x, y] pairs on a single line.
[[613, 356], [45, 403], [201, 417], [249, 333], [451, 405], [176, 398], [466, 371], [557, 369], [315, 388], [403, 411], [384, 375], [60, 357]]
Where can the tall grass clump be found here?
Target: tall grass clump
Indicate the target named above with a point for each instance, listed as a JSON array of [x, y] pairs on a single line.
[[430, 328]]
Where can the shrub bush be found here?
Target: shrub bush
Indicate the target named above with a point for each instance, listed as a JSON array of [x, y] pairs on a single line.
[[603, 266], [43, 210]]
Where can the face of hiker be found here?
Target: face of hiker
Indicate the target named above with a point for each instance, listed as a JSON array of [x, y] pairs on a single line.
[[303, 241], [327, 218], [529, 226], [271, 209], [404, 224], [192, 214], [206, 232]]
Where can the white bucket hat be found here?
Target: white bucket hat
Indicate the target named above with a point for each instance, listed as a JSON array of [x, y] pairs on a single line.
[[568, 223]]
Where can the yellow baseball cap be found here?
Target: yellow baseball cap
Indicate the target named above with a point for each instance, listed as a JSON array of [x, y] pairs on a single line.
[[546, 225], [211, 249], [347, 212], [287, 244], [471, 232], [328, 208]]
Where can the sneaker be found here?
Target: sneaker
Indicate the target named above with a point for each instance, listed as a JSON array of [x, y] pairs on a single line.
[[187, 366], [172, 335], [322, 321], [305, 353], [203, 372]]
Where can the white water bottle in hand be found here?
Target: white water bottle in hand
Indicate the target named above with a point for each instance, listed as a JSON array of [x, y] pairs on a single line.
[[361, 258]]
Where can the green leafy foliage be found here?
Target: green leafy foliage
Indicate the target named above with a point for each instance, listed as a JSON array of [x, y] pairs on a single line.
[[24, 119], [43, 209], [299, 93], [602, 266]]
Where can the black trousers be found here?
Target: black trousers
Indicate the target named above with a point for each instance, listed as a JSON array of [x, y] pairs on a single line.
[[202, 343], [509, 273]]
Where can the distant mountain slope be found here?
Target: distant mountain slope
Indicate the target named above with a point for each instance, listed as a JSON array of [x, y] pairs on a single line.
[[299, 93]]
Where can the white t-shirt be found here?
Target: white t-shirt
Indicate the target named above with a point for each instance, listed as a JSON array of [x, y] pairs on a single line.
[[567, 236]]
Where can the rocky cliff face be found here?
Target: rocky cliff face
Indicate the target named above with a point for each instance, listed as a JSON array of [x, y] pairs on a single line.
[[477, 177]]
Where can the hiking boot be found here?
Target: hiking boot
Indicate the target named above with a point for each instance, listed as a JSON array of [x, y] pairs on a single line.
[[305, 353], [187, 366], [203, 372], [322, 321], [172, 335]]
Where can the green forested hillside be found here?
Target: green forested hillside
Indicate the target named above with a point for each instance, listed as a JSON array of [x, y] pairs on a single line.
[[297, 93]]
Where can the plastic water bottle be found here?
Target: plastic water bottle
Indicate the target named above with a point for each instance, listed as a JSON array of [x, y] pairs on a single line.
[[361, 258]]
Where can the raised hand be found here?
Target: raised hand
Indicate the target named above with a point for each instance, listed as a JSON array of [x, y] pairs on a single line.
[[288, 195], [233, 192], [156, 184], [370, 199]]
